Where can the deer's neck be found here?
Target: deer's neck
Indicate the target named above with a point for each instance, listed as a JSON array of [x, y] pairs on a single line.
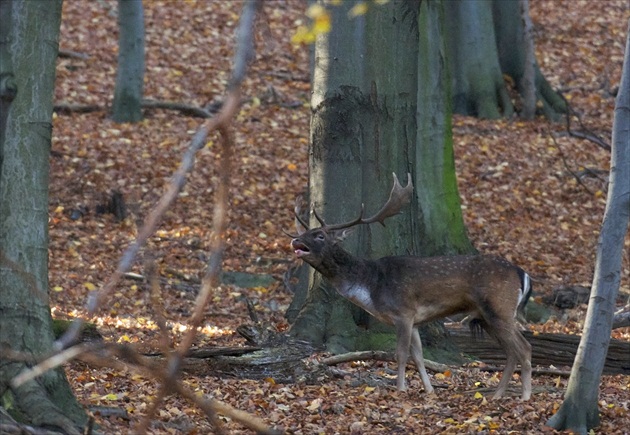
[[341, 266], [351, 277]]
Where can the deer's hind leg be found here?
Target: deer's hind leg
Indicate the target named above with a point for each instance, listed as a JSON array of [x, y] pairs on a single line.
[[518, 350], [525, 356]]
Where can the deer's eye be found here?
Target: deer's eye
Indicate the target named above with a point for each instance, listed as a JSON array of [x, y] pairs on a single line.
[[320, 236]]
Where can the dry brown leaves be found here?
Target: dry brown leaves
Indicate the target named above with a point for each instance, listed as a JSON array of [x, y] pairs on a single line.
[[519, 196]]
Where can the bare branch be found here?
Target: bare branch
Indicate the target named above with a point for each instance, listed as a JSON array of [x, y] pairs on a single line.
[[244, 43], [566, 165], [378, 356], [585, 134], [215, 406], [48, 364]]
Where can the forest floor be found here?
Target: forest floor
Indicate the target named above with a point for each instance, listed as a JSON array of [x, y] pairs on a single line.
[[530, 192]]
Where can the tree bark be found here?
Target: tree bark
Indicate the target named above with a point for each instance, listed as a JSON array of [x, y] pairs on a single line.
[[335, 171], [127, 105], [529, 65], [7, 78], [579, 411], [25, 319], [442, 229]]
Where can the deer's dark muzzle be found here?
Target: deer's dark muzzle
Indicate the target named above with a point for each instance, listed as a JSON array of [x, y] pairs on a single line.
[[299, 248]]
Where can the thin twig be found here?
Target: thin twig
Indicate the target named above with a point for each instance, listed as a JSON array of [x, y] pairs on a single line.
[[588, 135], [244, 52], [566, 165]]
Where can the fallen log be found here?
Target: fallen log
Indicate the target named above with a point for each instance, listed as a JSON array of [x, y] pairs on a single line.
[[547, 349]]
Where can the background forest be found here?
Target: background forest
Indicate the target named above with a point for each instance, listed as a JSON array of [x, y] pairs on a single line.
[[531, 192]]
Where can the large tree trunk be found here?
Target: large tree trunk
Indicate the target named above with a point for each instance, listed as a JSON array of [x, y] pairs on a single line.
[[368, 121], [25, 320], [485, 41], [335, 170], [127, 105], [513, 56], [579, 411], [478, 87]]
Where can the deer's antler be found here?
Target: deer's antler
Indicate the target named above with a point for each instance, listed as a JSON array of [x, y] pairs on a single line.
[[300, 224], [398, 198], [298, 219]]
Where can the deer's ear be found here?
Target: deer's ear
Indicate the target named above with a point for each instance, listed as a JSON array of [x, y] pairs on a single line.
[[342, 234]]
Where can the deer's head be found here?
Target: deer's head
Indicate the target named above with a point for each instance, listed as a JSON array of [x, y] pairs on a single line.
[[313, 246], [317, 244]]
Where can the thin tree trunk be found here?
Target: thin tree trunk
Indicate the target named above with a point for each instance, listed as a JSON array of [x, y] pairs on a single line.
[[127, 106], [485, 41], [579, 411]]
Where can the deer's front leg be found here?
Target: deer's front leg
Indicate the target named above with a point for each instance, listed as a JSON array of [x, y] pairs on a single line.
[[403, 340], [416, 354]]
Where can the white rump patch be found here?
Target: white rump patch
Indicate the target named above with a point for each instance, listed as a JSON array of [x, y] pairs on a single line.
[[523, 291]]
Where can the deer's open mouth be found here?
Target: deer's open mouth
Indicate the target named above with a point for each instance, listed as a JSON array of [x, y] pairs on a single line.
[[299, 248]]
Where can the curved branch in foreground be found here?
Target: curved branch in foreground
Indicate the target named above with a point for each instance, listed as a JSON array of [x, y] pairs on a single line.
[[169, 373]]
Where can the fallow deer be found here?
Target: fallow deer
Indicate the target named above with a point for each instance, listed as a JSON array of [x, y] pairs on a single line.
[[406, 291]]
